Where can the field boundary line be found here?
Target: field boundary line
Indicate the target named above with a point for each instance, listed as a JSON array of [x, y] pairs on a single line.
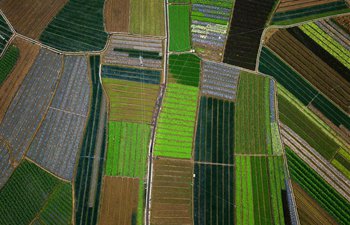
[[65, 111], [214, 164]]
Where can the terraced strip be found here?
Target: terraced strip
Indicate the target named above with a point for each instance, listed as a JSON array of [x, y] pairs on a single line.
[[252, 116], [341, 161], [175, 129], [8, 62], [213, 194], [318, 189], [311, 157], [127, 149], [172, 187], [5, 34], [130, 101], [272, 65], [179, 23], [309, 13], [327, 42], [184, 69], [30, 104], [215, 131], [30, 193], [88, 176], [286, 5], [72, 31], [335, 31], [130, 50], [131, 74], [219, 80]]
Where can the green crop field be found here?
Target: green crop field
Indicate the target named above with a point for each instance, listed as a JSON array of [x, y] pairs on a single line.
[[221, 3], [252, 118], [318, 188], [72, 31], [147, 17], [179, 25], [176, 122], [29, 191], [127, 149], [184, 69], [8, 61], [5, 33]]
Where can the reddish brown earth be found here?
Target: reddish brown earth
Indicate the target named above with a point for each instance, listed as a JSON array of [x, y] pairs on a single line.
[[117, 15]]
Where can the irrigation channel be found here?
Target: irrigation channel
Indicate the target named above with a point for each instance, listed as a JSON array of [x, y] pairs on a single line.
[[155, 118]]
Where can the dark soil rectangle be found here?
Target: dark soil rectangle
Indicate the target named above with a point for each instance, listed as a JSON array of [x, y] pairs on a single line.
[[215, 131], [213, 194], [247, 24]]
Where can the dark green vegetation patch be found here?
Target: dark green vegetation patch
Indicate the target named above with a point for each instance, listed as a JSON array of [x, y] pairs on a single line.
[[318, 188], [213, 195], [5, 34], [185, 69], [77, 27], [131, 74], [30, 190], [7, 62], [215, 131]]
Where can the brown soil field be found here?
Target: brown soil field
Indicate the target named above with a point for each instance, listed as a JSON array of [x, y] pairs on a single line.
[[131, 101], [209, 52], [287, 5], [117, 15], [312, 68], [172, 192], [30, 17], [119, 200], [310, 213], [343, 21], [8, 90]]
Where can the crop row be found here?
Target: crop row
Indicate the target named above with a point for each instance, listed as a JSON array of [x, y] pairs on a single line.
[[335, 31], [134, 51], [213, 194], [131, 74], [8, 61], [272, 101], [184, 69], [286, 5], [243, 41], [30, 103], [130, 101], [176, 122], [252, 116], [302, 90], [341, 161], [219, 3], [127, 149], [71, 31], [5, 34], [31, 192], [89, 171], [219, 80], [309, 13], [215, 131], [317, 188], [327, 42]]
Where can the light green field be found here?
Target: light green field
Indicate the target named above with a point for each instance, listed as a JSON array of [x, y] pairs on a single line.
[[179, 25]]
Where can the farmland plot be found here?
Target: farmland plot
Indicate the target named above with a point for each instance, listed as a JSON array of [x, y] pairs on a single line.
[[179, 27], [71, 31], [213, 194], [184, 69], [215, 131], [116, 15], [127, 149], [327, 197], [5, 34], [119, 201], [312, 68], [290, 12], [335, 31], [147, 17], [219, 80], [9, 87], [343, 21], [131, 50], [252, 116], [176, 122], [30, 103], [8, 62], [30, 17], [131, 74], [172, 192], [89, 171], [131, 101], [29, 194], [210, 20], [245, 32]]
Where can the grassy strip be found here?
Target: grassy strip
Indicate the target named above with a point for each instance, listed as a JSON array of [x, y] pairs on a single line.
[[7, 62], [341, 168], [276, 139], [221, 3], [179, 26]]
